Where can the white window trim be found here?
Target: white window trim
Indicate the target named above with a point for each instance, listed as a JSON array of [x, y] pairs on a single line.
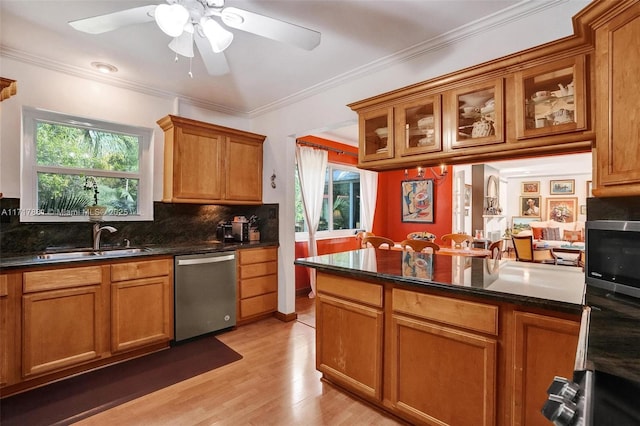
[[28, 181], [338, 233]]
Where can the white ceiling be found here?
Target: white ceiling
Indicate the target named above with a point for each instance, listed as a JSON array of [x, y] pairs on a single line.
[[356, 35]]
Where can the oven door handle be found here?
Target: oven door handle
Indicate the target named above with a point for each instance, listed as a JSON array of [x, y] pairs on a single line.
[[203, 260]]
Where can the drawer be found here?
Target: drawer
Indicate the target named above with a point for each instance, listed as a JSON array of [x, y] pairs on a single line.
[[258, 305], [461, 313], [246, 256], [259, 285], [258, 269], [347, 288], [53, 279], [141, 269]]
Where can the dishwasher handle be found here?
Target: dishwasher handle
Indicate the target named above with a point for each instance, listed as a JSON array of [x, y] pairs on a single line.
[[203, 260]]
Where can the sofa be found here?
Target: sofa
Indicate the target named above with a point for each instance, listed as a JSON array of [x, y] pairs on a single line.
[[554, 234]]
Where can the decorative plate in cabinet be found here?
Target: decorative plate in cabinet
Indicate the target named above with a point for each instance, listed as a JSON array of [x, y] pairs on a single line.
[[475, 114]]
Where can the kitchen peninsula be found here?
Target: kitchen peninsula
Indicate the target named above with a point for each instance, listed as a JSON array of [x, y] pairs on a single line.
[[446, 339]]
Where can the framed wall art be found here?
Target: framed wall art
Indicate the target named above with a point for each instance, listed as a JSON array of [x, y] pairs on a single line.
[[522, 223], [417, 200], [530, 188], [589, 192], [530, 206], [562, 209], [563, 187]]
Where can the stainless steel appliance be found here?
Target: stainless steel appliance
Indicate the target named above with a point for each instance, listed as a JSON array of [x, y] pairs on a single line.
[[240, 231], [205, 293], [612, 253]]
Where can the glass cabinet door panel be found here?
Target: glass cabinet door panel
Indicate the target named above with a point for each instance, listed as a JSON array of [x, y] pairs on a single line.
[[550, 98], [376, 134], [476, 114], [417, 125]]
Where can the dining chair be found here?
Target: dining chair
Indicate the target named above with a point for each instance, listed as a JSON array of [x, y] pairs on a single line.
[[496, 249], [525, 252], [457, 240], [421, 235], [378, 241], [419, 245], [361, 235]]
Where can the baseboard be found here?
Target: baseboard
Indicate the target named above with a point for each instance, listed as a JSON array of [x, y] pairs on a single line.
[[303, 291], [286, 317]]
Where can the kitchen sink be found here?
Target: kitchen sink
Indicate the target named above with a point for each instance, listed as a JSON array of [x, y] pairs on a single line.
[[91, 253]]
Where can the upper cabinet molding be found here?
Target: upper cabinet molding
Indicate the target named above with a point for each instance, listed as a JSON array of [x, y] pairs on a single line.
[[8, 88]]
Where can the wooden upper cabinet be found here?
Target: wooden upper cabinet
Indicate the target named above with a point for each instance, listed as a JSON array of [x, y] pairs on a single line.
[[417, 128], [376, 134], [551, 98], [474, 114], [617, 154], [205, 163]]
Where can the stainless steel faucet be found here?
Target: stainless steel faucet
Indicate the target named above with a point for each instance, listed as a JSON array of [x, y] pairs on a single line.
[[97, 230]]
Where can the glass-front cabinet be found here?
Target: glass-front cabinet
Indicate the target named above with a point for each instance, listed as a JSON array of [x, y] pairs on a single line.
[[417, 126], [475, 114], [376, 134], [550, 98]]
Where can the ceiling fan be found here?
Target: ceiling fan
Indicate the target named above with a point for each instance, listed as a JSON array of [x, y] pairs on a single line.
[[189, 21]]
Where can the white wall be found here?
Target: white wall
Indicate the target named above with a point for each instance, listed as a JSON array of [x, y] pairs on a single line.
[[515, 185], [74, 95]]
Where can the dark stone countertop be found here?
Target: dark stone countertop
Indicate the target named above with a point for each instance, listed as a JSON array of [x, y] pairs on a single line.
[[559, 288], [32, 260], [614, 334]]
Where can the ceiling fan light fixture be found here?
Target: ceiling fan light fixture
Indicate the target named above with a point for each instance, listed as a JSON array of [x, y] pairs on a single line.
[[219, 38], [183, 44], [171, 18]]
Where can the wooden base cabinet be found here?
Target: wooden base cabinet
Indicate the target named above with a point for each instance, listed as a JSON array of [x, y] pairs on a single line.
[[63, 319], [141, 304], [434, 358], [441, 374], [544, 347], [349, 330], [257, 277]]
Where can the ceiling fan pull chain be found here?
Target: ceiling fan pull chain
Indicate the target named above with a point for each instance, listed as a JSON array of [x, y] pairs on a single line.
[[176, 58], [190, 62]]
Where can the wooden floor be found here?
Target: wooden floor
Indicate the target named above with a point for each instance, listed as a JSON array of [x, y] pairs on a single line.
[[276, 383]]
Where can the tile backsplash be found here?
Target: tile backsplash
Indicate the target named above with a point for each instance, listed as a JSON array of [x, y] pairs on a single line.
[[172, 224]]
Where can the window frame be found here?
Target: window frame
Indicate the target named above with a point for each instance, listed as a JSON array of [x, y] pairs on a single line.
[[338, 233], [29, 179]]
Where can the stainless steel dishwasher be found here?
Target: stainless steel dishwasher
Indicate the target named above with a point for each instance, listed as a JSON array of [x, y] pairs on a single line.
[[205, 293]]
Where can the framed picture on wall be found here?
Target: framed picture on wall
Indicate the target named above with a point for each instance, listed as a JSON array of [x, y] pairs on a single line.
[[417, 200], [530, 206], [530, 188], [562, 209], [563, 187], [521, 223], [589, 192]]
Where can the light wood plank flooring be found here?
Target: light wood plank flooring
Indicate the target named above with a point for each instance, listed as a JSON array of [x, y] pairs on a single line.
[[276, 383]]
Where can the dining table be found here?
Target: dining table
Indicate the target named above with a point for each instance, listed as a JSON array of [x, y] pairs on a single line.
[[453, 251]]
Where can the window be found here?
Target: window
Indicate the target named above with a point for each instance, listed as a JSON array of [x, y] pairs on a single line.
[[341, 203], [63, 156]]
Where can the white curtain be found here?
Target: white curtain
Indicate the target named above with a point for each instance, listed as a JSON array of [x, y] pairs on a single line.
[[312, 168], [368, 197]]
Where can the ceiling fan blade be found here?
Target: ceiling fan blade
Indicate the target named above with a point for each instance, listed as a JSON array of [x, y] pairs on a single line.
[[274, 29], [216, 63], [112, 21]]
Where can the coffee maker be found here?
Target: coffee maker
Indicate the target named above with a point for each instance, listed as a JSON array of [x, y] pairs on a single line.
[[224, 232]]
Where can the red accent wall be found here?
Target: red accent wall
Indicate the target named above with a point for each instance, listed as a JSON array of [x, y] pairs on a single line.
[[388, 219]]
